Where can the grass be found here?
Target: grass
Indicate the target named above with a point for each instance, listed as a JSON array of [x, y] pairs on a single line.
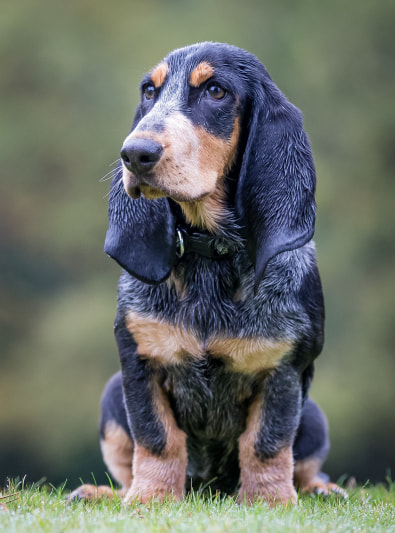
[[44, 509]]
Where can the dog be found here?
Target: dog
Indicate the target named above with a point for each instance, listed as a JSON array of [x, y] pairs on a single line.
[[220, 307]]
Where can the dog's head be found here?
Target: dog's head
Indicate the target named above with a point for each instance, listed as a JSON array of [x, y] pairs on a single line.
[[209, 115]]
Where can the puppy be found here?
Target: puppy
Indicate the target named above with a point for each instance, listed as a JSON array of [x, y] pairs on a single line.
[[220, 309]]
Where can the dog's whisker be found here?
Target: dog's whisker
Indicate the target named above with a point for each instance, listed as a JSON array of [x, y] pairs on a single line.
[[106, 177], [116, 189], [111, 174]]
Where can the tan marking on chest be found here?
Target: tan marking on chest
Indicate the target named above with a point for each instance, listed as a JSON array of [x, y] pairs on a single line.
[[201, 73], [159, 74], [164, 342], [249, 355], [171, 345]]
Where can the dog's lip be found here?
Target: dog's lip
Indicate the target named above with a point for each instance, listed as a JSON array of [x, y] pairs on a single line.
[[140, 186], [134, 192]]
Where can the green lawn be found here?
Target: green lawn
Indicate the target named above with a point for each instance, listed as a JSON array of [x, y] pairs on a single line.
[[44, 509]]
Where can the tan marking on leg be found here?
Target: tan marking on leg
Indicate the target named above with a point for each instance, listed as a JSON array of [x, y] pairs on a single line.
[[161, 341], [160, 477], [201, 73], [307, 480], [159, 74], [318, 486], [92, 492], [269, 480], [250, 355], [117, 450], [305, 471]]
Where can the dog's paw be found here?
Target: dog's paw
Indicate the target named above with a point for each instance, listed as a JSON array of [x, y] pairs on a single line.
[[136, 495], [274, 496], [321, 488], [90, 493]]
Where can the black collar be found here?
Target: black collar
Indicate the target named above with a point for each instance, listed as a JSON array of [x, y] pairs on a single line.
[[204, 244]]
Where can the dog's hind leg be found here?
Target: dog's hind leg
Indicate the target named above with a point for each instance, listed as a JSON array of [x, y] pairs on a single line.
[[115, 439], [116, 445], [310, 449]]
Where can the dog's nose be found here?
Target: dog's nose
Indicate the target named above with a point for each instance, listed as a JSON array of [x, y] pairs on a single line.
[[141, 155]]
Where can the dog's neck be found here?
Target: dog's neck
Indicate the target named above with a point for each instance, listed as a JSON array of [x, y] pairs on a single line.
[[208, 213], [214, 214], [211, 216]]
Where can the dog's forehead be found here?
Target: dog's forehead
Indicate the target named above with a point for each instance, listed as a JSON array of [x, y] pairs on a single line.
[[209, 58], [190, 67], [183, 61], [218, 53]]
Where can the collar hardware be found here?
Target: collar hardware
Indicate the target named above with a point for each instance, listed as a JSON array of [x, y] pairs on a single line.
[[180, 246], [202, 244]]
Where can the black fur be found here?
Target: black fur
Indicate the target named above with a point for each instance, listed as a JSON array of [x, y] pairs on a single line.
[[137, 376], [141, 236], [270, 289]]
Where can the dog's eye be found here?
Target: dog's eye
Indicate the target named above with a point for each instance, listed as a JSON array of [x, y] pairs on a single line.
[[149, 91], [216, 91]]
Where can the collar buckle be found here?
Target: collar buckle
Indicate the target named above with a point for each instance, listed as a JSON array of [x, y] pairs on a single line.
[[202, 244], [180, 245]]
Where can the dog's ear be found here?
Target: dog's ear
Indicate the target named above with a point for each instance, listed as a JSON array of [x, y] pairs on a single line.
[[275, 192], [141, 234]]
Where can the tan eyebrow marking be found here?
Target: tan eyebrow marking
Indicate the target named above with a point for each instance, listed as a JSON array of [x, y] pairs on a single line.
[[201, 73], [159, 74]]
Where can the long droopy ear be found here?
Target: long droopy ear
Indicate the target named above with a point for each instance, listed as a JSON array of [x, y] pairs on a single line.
[[275, 192], [141, 234]]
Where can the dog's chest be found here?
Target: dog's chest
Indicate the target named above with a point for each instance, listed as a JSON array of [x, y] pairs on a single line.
[[176, 345], [209, 402], [207, 317]]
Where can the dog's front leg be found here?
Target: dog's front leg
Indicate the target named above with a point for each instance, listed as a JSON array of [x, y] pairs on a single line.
[[160, 456], [265, 447]]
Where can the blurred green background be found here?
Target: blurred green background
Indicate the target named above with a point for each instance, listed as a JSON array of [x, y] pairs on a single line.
[[69, 77]]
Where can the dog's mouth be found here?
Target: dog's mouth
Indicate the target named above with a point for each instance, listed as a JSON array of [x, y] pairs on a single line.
[[135, 188], [134, 192], [150, 193], [183, 162]]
